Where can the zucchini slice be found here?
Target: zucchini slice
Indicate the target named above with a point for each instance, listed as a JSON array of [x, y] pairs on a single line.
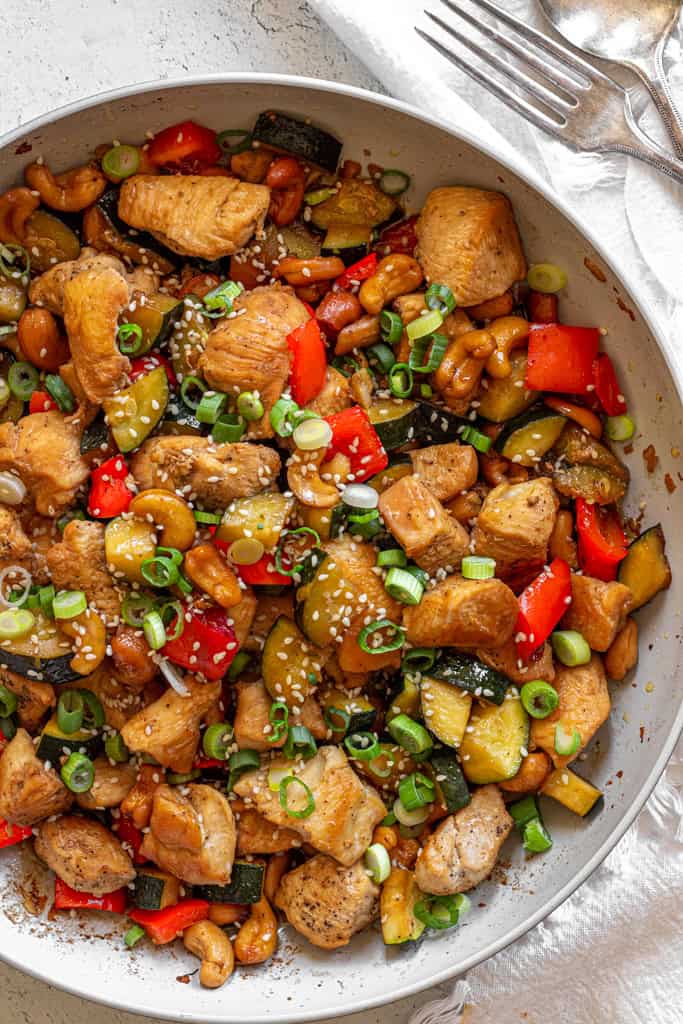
[[569, 789], [188, 337], [262, 516], [507, 397], [436, 424], [397, 905], [156, 318], [395, 420], [46, 657], [341, 238], [588, 468], [492, 751], [468, 673], [134, 412], [317, 612], [95, 435], [318, 519], [646, 570], [450, 781], [290, 667], [293, 136], [528, 437], [354, 202], [399, 466], [361, 712], [445, 709], [155, 889], [54, 744], [405, 700], [245, 885], [297, 240], [180, 419]]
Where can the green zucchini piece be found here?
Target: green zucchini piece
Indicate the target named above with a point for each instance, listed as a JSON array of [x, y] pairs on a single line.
[[13, 299], [445, 709], [180, 419], [354, 202], [361, 712], [134, 412], [298, 241], [573, 792], [468, 673], [436, 424], [405, 699], [397, 908], [318, 607], [395, 421], [530, 436], [587, 469], [156, 318], [13, 409], [262, 515], [646, 570], [450, 781], [399, 466], [491, 750], [49, 240], [245, 885], [188, 338], [44, 655], [346, 236], [155, 889], [54, 744], [95, 436], [293, 136], [507, 397], [290, 666]]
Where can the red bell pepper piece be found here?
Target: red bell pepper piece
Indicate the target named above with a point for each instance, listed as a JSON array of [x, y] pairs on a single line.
[[10, 835], [145, 364], [263, 573], [207, 644], [607, 386], [353, 435], [560, 358], [359, 271], [209, 762], [400, 237], [309, 362], [131, 836], [602, 542], [186, 145], [541, 606], [41, 402], [67, 898], [109, 496], [163, 926]]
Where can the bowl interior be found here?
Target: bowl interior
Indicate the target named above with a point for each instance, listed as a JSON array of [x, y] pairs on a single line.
[[87, 956]]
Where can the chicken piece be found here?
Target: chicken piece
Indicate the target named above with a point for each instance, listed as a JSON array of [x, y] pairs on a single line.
[[138, 802], [468, 239], [346, 809], [29, 791], [584, 706], [15, 546], [215, 474], [328, 903], [255, 834], [241, 616], [464, 848], [192, 215], [132, 663], [48, 289], [93, 301], [598, 610], [192, 834], [335, 394], [84, 854], [422, 526], [79, 563], [249, 352], [463, 613], [34, 699], [446, 469], [113, 783], [252, 723], [310, 715], [44, 451], [119, 702], [168, 729], [515, 524], [506, 660]]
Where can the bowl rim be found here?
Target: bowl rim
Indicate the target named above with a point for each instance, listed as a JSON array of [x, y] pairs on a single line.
[[518, 165]]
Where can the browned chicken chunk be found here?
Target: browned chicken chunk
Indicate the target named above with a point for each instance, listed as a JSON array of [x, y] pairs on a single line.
[[29, 791], [48, 289], [168, 729], [463, 850], [119, 701], [584, 706], [346, 809], [93, 301], [112, 784], [44, 451], [34, 699], [463, 613], [255, 834], [506, 660], [515, 524], [193, 835], [422, 526], [248, 352], [215, 474], [252, 722], [195, 215], [328, 903], [84, 854], [468, 240], [598, 610], [78, 563], [335, 394], [446, 469], [15, 546]]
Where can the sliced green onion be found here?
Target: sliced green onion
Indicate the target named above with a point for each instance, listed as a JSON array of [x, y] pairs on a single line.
[[281, 416], [440, 297], [481, 442], [566, 743], [281, 549], [423, 325], [115, 749], [380, 357], [218, 302], [393, 182], [217, 740], [411, 818], [153, 628], [241, 140], [238, 665], [539, 698], [416, 790], [133, 935], [478, 567], [121, 161], [70, 709], [240, 762], [278, 716], [246, 551], [207, 518], [58, 390], [15, 623], [188, 391], [547, 278], [364, 524], [385, 770], [318, 195], [159, 571], [426, 391], [391, 327], [312, 434], [342, 717], [436, 345], [9, 252], [392, 557], [129, 337], [182, 778], [378, 628], [400, 380], [536, 837], [345, 364], [620, 428], [300, 743], [78, 773], [8, 728], [288, 781], [388, 820], [250, 406], [523, 810], [420, 659], [173, 554], [441, 912], [46, 596], [276, 773], [378, 863], [570, 647], [409, 734], [8, 702], [211, 406], [93, 712], [360, 496], [173, 613], [183, 584], [229, 428], [69, 603], [134, 609], [23, 379], [363, 746], [403, 586]]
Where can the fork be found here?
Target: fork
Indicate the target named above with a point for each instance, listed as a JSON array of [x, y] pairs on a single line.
[[575, 102]]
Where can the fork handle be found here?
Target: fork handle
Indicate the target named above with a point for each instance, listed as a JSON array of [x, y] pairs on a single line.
[[643, 148], [650, 70]]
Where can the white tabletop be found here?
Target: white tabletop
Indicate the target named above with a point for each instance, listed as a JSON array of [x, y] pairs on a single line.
[[62, 51]]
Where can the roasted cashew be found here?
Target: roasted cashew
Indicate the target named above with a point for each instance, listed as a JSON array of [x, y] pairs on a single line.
[[213, 947], [212, 574], [533, 771], [395, 275], [491, 309], [457, 378], [496, 468], [69, 192], [89, 634], [360, 334], [168, 511], [509, 332], [623, 654], [562, 543], [256, 940], [303, 477], [278, 865], [409, 307], [584, 417], [16, 206]]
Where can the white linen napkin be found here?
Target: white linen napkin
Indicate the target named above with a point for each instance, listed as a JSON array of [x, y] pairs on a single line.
[[613, 953]]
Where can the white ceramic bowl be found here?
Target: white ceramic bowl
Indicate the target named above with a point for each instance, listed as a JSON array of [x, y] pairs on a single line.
[[303, 983]]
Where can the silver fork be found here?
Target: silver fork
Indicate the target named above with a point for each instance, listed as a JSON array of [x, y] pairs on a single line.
[[575, 102]]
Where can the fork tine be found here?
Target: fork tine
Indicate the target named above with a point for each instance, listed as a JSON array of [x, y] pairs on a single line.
[[515, 75], [517, 103]]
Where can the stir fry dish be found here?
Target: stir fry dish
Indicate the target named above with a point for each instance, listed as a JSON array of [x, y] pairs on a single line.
[[312, 566]]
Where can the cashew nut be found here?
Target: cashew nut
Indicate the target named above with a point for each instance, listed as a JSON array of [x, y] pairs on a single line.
[[227, 913], [562, 543], [256, 940], [278, 865], [171, 513], [138, 804], [213, 947], [299, 272], [409, 307], [396, 274], [16, 206], [465, 506], [386, 836], [623, 654], [534, 770], [303, 477], [457, 378], [496, 468], [360, 334], [212, 574], [89, 635], [492, 308], [584, 417], [69, 192], [509, 332]]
